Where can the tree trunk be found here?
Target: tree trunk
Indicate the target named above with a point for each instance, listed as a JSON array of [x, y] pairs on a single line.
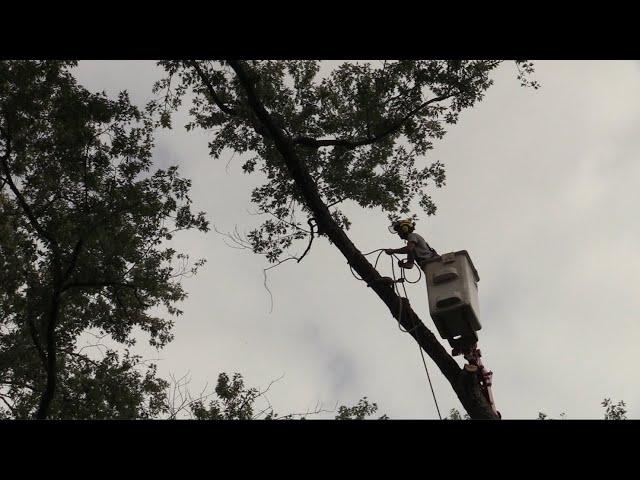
[[51, 365]]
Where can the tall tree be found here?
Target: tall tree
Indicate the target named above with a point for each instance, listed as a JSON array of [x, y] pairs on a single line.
[[354, 135], [83, 223]]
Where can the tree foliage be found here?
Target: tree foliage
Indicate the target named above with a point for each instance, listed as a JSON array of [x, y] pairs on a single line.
[[360, 411], [617, 411], [83, 225], [614, 411], [362, 130], [454, 414], [233, 400]]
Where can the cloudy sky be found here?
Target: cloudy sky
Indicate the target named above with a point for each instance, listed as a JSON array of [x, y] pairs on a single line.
[[541, 189]]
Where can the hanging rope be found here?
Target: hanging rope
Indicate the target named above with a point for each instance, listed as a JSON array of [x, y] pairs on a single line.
[[430, 384], [402, 281]]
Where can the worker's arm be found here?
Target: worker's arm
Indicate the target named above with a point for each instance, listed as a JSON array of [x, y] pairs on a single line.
[[408, 249]]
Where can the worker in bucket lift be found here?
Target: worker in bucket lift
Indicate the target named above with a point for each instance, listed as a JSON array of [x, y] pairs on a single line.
[[417, 249]]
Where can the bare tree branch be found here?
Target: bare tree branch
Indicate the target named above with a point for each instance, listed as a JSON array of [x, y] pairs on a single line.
[[236, 238], [297, 227], [311, 234]]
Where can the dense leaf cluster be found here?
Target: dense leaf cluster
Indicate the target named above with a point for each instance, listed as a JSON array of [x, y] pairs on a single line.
[[83, 225], [362, 130]]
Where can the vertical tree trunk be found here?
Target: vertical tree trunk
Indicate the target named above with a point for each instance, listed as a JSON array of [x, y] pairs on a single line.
[[51, 365]]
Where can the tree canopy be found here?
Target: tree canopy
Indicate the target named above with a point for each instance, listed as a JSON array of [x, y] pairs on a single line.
[[361, 131], [83, 220]]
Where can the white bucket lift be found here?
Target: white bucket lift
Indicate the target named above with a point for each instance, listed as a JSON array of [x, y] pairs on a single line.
[[452, 288]]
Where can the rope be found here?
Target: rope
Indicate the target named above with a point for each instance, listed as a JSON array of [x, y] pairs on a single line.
[[409, 281], [374, 265], [433, 393], [402, 280], [430, 384]]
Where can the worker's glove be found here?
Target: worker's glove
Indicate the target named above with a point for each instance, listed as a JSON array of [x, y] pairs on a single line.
[[389, 251], [408, 264]]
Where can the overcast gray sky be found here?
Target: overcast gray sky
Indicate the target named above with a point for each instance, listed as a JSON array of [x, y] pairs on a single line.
[[541, 189]]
